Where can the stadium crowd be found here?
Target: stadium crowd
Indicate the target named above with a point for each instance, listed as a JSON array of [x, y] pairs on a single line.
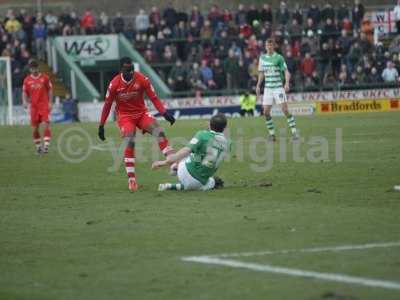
[[323, 46]]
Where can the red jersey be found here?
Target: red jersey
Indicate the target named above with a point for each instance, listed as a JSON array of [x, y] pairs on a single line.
[[129, 97], [37, 89]]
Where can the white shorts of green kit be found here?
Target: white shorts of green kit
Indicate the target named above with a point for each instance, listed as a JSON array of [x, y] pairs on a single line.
[[190, 183], [274, 96]]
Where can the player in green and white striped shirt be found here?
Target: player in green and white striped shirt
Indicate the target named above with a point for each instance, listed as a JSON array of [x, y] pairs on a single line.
[[199, 160], [272, 68]]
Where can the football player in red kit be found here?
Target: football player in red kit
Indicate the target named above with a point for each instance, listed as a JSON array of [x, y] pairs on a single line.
[[38, 92], [127, 89]]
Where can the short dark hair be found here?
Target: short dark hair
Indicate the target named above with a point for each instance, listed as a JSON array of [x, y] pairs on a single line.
[[218, 122], [33, 64], [270, 41], [125, 61]]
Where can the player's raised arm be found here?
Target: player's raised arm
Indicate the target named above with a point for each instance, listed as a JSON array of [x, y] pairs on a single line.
[[49, 86], [106, 110], [25, 95], [173, 158], [287, 75], [157, 102]]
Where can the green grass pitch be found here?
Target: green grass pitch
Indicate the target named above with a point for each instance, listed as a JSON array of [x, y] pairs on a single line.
[[73, 231]]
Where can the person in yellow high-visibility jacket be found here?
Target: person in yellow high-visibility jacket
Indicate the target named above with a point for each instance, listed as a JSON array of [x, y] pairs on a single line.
[[247, 104]]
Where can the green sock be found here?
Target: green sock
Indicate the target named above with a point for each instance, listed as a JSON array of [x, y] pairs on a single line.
[[270, 125], [174, 186], [292, 124]]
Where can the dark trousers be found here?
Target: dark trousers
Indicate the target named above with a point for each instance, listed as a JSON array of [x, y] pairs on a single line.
[[250, 112]]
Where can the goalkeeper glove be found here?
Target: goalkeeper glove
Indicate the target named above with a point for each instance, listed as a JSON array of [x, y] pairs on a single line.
[[168, 117], [101, 133]]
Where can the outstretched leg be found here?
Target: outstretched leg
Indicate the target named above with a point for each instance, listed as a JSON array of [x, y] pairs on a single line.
[[156, 130]]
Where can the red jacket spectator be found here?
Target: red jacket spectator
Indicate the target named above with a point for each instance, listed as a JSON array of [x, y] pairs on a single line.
[[87, 20], [307, 65]]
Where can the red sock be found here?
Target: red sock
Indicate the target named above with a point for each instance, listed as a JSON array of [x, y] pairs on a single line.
[[130, 162], [165, 148], [47, 137], [36, 138]]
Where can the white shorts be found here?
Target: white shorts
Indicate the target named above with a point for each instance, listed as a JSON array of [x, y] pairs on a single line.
[[190, 183], [275, 95]]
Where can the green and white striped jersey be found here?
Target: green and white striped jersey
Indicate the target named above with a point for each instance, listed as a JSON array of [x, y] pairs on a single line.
[[273, 66], [209, 148]]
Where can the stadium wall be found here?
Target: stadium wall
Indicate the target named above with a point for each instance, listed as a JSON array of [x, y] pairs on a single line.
[[128, 7]]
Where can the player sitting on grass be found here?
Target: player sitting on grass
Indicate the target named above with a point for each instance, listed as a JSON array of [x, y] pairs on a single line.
[[200, 159]]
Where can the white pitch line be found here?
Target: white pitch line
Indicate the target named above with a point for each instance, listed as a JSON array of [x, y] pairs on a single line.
[[310, 250], [99, 148], [295, 272]]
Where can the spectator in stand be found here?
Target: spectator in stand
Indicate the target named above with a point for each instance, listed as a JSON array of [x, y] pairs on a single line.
[[345, 42], [283, 14], [207, 76], [252, 15], [337, 57], [12, 25], [155, 16], [354, 56], [231, 67], [170, 16], [119, 23], [307, 65], [87, 22], [39, 36], [343, 79], [206, 31], [195, 78], [396, 16], [314, 14], [367, 28], [219, 74], [241, 16], [373, 76], [342, 13], [327, 12], [266, 14], [104, 23], [310, 26], [329, 31], [361, 77], [390, 73], [51, 21], [214, 16], [177, 70], [196, 17], [180, 32], [243, 75], [324, 60], [310, 43], [357, 13], [142, 21], [298, 14]]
